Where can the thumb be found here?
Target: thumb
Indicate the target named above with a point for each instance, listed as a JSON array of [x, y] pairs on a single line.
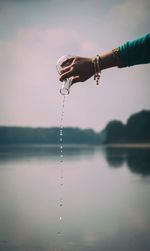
[[75, 79]]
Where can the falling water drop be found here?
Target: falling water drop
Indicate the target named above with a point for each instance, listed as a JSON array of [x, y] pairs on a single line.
[[61, 158]]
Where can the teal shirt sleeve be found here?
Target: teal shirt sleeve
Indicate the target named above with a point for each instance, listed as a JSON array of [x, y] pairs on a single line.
[[135, 52]]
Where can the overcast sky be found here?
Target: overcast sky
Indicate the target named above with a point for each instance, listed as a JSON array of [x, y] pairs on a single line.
[[35, 33]]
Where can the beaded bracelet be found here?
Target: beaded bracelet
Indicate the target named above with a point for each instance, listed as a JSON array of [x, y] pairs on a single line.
[[97, 70]]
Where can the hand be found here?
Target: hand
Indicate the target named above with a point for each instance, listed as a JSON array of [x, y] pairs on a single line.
[[81, 69]]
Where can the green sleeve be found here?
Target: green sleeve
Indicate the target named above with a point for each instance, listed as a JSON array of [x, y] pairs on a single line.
[[135, 52]]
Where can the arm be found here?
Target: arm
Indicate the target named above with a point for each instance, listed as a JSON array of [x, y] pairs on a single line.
[[131, 53], [82, 68]]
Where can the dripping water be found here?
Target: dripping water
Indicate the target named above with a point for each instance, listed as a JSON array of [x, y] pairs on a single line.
[[61, 159]]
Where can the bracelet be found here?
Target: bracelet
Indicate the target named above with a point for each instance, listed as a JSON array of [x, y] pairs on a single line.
[[97, 71]]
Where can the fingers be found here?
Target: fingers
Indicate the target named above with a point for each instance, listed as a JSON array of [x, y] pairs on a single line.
[[76, 79], [78, 68], [67, 72], [67, 62]]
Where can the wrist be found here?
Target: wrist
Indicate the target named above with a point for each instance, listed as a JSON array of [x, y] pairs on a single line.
[[107, 60]]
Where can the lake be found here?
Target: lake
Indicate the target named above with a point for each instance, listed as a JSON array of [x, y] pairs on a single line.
[[105, 195]]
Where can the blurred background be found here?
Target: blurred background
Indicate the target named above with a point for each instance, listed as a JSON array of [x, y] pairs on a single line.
[[97, 198], [34, 34]]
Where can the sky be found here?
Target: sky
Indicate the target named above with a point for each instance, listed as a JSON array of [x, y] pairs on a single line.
[[35, 33]]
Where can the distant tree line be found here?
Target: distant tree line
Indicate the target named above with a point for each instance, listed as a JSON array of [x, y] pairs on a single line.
[[137, 129], [28, 135]]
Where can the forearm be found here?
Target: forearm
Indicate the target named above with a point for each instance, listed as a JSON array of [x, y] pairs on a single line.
[[131, 53], [107, 60]]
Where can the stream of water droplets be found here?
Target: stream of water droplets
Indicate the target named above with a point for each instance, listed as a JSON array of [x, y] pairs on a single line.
[[61, 171]]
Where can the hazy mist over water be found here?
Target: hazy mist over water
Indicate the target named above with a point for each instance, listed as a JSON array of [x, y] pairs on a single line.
[[105, 199]]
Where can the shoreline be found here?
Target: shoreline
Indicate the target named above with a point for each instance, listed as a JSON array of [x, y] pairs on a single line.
[[72, 145], [128, 145]]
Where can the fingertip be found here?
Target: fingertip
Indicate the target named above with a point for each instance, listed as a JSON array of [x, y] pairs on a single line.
[[75, 80], [67, 62]]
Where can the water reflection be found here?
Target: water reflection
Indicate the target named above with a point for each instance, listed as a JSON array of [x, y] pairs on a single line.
[[137, 159], [102, 208], [115, 156], [14, 152]]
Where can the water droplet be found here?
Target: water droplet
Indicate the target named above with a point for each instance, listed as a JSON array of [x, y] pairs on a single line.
[[61, 157]]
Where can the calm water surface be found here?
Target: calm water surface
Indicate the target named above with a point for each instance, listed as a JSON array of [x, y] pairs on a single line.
[[106, 199]]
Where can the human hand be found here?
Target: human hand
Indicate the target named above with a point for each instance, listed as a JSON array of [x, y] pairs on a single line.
[[80, 68]]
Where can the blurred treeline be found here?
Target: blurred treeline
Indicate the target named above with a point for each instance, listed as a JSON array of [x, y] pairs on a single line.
[[136, 130], [28, 135]]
